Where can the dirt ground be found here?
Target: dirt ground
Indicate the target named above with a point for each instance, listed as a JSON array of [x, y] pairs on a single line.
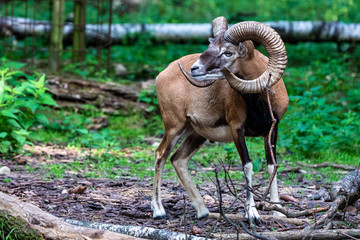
[[126, 201]]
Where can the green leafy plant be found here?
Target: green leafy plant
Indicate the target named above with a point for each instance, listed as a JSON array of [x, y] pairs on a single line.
[[20, 105], [149, 96]]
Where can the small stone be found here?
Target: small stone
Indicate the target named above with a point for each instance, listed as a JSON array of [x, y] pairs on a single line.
[[120, 69], [65, 191], [155, 144], [5, 171]]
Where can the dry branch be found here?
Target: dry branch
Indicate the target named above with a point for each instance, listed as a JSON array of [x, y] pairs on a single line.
[[47, 225], [271, 146], [315, 31], [307, 212]]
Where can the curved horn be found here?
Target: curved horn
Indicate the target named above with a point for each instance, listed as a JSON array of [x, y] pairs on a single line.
[[273, 44], [219, 25], [195, 82]]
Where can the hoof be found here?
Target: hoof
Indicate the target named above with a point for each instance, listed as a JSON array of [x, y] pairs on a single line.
[[158, 211], [253, 217], [203, 216], [258, 222], [255, 221]]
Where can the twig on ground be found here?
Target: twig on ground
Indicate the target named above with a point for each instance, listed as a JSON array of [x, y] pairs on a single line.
[[271, 207], [293, 169], [289, 198]]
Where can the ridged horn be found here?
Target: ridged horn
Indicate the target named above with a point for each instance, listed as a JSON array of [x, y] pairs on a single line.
[[219, 25], [273, 44], [195, 82]]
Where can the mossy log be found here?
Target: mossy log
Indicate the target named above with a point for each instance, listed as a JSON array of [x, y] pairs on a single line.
[[30, 222]]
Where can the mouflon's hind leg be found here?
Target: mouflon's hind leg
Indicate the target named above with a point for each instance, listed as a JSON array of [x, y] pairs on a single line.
[[274, 192], [162, 153], [180, 160], [238, 134]]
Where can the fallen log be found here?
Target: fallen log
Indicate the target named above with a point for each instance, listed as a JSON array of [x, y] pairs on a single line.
[[327, 164], [265, 218], [138, 231], [297, 31], [298, 235], [30, 222], [343, 193], [109, 97], [348, 187]]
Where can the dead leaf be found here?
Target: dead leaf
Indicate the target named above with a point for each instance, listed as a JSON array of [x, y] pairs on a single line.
[[20, 159], [196, 230], [351, 210], [209, 200], [78, 189]]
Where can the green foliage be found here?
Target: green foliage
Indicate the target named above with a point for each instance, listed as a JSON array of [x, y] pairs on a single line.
[[149, 96], [324, 104], [172, 11], [20, 105]]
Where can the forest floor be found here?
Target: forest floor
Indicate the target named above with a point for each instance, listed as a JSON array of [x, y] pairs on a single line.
[[126, 200]]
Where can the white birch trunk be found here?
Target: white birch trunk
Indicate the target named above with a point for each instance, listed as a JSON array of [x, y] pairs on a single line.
[[297, 31]]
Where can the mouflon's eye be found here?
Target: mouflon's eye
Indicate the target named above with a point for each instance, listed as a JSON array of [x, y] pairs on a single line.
[[228, 54]]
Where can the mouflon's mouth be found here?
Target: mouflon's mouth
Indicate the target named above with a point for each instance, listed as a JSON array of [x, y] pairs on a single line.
[[208, 76], [202, 80]]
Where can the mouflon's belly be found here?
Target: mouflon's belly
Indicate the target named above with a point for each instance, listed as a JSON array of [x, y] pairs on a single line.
[[211, 127], [216, 134]]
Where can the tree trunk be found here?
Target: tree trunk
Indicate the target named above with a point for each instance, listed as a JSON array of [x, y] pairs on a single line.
[[56, 35], [30, 222], [78, 50], [297, 31]]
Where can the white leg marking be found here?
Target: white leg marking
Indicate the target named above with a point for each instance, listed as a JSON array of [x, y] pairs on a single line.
[[274, 193], [250, 211]]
